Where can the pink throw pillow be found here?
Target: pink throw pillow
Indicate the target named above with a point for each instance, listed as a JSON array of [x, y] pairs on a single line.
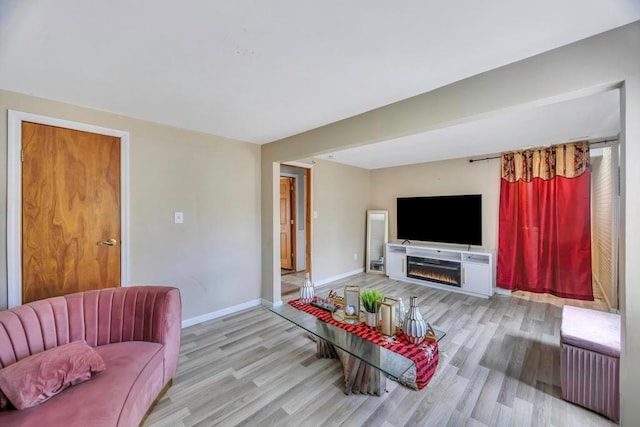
[[39, 377]]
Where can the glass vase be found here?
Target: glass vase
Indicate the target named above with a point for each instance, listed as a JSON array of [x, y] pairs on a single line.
[[414, 326], [306, 291]]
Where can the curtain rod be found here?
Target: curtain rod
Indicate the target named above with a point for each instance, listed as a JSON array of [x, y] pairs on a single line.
[[602, 141]]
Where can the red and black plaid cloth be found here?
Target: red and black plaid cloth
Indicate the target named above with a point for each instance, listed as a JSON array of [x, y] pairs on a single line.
[[425, 355]]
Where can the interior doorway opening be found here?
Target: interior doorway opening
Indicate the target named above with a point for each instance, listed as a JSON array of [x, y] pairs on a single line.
[[295, 227]]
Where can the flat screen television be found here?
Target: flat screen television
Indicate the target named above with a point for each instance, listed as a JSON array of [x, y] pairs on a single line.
[[442, 219]]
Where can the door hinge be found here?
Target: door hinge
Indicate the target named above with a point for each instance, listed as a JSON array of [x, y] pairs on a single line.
[[22, 155], [291, 254], [291, 222], [291, 188]]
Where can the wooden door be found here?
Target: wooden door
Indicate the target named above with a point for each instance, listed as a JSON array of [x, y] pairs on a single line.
[[286, 238], [70, 211]]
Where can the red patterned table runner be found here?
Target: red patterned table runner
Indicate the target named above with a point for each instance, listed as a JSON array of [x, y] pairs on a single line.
[[425, 356]]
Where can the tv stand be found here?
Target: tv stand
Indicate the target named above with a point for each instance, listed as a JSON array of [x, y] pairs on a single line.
[[459, 270]]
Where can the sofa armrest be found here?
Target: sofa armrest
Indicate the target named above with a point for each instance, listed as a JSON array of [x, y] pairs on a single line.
[[156, 316], [136, 313], [167, 317]]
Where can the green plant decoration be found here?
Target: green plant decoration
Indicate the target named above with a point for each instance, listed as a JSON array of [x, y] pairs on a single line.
[[369, 298]]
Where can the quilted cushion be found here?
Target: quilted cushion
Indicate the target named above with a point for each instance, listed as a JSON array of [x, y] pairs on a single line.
[[591, 330]]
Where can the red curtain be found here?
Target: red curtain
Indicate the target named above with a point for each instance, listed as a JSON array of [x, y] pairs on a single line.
[[544, 230]]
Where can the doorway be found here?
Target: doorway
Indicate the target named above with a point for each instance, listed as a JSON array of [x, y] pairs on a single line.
[[67, 207], [295, 223]]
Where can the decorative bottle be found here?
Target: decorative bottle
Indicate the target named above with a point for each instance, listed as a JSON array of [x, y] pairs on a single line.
[[306, 291], [414, 325]]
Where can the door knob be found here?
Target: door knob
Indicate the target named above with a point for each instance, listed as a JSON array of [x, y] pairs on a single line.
[[110, 242]]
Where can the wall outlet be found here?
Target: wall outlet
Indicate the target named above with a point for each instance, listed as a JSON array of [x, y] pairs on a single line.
[[178, 217], [355, 255]]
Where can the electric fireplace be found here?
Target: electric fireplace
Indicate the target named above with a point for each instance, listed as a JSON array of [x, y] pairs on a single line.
[[434, 270]]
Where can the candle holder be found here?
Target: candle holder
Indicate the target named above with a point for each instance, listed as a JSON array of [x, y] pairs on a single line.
[[352, 303], [386, 310]]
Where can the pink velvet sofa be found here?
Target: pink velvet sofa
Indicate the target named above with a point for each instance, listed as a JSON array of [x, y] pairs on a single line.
[[136, 330]]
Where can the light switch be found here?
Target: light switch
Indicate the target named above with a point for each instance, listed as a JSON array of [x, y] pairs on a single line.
[[178, 217], [315, 214]]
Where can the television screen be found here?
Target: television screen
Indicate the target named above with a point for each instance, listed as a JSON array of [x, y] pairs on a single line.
[[443, 219]]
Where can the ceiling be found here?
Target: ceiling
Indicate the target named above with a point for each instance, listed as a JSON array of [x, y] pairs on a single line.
[[591, 117], [258, 70]]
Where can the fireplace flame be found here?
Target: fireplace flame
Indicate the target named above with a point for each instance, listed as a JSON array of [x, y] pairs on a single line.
[[435, 276]]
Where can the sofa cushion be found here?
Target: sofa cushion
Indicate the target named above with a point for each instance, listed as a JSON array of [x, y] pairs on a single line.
[[593, 330], [134, 400], [123, 392], [37, 378]]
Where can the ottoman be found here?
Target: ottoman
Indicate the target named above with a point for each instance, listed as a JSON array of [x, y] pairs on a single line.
[[590, 359]]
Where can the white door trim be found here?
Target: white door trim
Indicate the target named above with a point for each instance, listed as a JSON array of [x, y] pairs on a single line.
[[298, 164], [14, 195]]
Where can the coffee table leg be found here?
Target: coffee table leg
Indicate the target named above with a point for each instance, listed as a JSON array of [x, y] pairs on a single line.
[[362, 378], [324, 350], [359, 377]]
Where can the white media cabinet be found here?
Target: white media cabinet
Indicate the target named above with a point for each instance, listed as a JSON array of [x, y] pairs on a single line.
[[474, 270]]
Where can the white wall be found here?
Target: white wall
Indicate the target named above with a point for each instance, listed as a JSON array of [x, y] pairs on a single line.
[[341, 199], [630, 247], [214, 257], [449, 177]]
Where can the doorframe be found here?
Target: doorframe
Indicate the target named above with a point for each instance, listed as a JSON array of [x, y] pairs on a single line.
[[14, 195], [308, 187], [615, 227]]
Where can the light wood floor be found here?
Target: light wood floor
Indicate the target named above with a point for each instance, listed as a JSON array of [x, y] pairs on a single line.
[[291, 284], [598, 303], [499, 366]]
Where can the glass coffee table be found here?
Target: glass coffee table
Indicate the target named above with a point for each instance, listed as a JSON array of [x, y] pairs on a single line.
[[365, 364]]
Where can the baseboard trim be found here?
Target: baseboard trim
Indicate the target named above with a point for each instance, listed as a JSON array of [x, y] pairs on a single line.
[[256, 302], [502, 291], [219, 313], [338, 277]]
